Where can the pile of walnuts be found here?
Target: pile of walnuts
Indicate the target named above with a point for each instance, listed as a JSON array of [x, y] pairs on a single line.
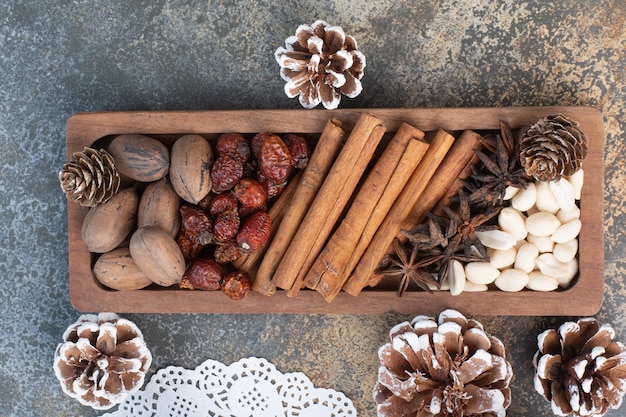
[[233, 219]]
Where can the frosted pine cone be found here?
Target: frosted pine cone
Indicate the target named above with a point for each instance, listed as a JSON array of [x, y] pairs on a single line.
[[102, 361], [447, 368], [320, 63], [580, 369], [552, 147], [89, 177]]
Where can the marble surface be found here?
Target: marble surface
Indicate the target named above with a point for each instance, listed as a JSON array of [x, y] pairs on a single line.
[[61, 57]]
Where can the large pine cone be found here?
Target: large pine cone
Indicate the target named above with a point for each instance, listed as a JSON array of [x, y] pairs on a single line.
[[446, 368], [319, 64], [580, 369], [89, 177], [102, 361], [552, 147]]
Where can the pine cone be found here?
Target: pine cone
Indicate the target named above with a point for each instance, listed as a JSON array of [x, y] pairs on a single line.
[[579, 368], [449, 368], [552, 147], [319, 64], [89, 177], [103, 360]]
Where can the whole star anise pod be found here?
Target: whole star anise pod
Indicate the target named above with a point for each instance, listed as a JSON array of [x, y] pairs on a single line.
[[498, 171], [320, 63], [410, 268]]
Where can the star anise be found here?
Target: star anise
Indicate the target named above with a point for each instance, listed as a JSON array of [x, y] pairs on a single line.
[[410, 268], [498, 171]]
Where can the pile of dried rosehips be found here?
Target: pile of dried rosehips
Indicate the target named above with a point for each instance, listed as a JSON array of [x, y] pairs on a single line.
[[233, 219]]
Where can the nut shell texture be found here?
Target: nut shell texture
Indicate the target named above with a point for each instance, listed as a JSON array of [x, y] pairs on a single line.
[[190, 169], [158, 256], [140, 157]]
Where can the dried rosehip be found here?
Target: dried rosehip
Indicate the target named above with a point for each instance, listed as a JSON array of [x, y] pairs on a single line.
[[255, 143], [274, 159], [225, 173], [204, 274], [196, 224], [250, 193], [226, 226], [236, 284], [233, 145], [206, 200], [189, 249], [226, 252], [221, 203], [299, 149], [254, 232], [271, 188], [245, 211]]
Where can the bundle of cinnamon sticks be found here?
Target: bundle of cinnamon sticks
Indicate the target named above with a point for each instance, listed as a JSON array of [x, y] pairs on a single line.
[[336, 222]]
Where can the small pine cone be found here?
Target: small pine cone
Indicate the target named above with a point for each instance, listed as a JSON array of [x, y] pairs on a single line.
[[89, 177], [320, 63], [447, 368], [580, 369], [102, 360], [552, 147]]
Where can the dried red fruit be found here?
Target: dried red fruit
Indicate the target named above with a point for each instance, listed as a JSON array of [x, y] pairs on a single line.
[[250, 193], [226, 252], [221, 203], [225, 173], [236, 284], [271, 188], [274, 159], [245, 211], [204, 274], [206, 200], [226, 226], [189, 249], [233, 145], [196, 224], [299, 149], [255, 143], [254, 231]]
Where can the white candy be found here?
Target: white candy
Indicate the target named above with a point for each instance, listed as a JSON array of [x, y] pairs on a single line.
[[549, 265], [514, 222], [543, 243], [545, 198], [456, 277], [577, 179], [565, 252], [567, 232], [502, 258], [496, 239], [471, 287], [511, 280], [542, 223], [565, 216], [481, 272], [563, 192], [540, 282], [526, 257], [525, 198], [510, 192], [572, 269]]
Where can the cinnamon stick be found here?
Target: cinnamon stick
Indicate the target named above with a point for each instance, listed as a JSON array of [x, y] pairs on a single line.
[[249, 262], [321, 160], [329, 202], [392, 224], [394, 167]]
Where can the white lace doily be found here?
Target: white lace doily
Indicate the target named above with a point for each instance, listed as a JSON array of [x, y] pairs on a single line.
[[250, 387]]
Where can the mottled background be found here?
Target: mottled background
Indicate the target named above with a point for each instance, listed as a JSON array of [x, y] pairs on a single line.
[[60, 57]]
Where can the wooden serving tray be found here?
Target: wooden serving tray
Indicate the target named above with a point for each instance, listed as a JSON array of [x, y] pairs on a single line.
[[584, 297]]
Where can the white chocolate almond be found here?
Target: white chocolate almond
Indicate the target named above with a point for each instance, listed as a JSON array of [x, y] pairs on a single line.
[[565, 216], [563, 192], [496, 239], [481, 272], [567, 232], [456, 277], [525, 198], [545, 198], [543, 243], [526, 257], [510, 192], [514, 222], [566, 251], [540, 282], [565, 280], [471, 287], [549, 265], [542, 223], [577, 179], [502, 258], [511, 280]]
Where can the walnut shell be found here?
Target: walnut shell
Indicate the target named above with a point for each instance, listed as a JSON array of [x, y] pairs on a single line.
[[107, 225], [118, 270], [140, 157], [190, 168], [159, 207], [158, 256]]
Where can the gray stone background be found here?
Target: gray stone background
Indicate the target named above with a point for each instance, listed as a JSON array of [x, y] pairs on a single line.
[[62, 57]]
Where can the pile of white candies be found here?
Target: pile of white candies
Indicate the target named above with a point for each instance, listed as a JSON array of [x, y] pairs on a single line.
[[535, 245]]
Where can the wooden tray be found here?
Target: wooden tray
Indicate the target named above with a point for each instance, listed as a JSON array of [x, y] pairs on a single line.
[[582, 298]]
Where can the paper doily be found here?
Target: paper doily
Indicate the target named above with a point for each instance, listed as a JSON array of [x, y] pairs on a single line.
[[250, 387]]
